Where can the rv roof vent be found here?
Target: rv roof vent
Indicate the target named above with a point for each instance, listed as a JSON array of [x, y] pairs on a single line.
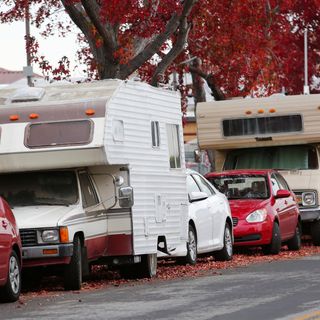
[[27, 95]]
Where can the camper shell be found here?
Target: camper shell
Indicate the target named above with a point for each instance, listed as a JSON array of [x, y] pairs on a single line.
[[95, 173], [280, 132]]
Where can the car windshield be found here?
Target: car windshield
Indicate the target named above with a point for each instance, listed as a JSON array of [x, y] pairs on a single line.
[[242, 186], [39, 188]]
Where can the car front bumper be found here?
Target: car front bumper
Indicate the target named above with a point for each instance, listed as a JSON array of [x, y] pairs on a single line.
[[310, 214], [47, 251], [252, 234]]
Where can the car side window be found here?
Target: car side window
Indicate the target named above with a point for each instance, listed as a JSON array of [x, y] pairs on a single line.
[[89, 195], [204, 186], [191, 185], [275, 184], [282, 182]]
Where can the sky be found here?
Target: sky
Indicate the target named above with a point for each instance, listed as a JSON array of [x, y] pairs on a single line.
[[12, 47]]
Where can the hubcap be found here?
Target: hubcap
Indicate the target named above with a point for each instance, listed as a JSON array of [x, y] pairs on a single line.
[[14, 274], [228, 241], [192, 245]]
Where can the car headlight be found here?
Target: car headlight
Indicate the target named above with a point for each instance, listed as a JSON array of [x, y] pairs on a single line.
[[308, 198], [257, 216], [50, 235]]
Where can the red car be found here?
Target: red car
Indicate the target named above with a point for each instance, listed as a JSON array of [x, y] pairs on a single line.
[[10, 255], [264, 209]]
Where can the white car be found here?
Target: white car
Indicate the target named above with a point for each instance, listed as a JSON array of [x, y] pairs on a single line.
[[210, 221]]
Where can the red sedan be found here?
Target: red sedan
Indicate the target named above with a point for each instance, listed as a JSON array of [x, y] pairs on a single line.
[[263, 208], [10, 255]]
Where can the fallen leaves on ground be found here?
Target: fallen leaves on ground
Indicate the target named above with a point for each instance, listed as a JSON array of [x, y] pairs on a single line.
[[168, 269]]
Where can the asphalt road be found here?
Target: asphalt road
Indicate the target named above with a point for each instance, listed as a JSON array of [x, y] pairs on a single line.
[[277, 290]]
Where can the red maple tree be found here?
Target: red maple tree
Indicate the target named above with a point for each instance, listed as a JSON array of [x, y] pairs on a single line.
[[246, 47]]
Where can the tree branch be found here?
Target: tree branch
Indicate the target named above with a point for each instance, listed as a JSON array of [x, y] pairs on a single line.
[[174, 52], [154, 46], [106, 32], [215, 90]]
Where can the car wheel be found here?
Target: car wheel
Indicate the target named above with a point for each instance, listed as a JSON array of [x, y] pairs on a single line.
[[315, 233], [295, 242], [148, 265], [275, 244], [11, 291], [73, 271], [225, 254], [147, 268], [192, 252]]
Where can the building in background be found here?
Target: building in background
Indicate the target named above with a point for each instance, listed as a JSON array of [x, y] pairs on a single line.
[[17, 78]]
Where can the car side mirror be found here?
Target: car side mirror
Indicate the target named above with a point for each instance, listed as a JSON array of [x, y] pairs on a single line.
[[197, 196], [126, 197], [283, 194]]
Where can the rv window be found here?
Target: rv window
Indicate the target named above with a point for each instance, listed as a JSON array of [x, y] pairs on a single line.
[[283, 157], [174, 145], [261, 125], [155, 133], [64, 133], [89, 195]]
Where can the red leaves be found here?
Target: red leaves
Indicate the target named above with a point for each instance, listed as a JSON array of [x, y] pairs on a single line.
[[101, 277]]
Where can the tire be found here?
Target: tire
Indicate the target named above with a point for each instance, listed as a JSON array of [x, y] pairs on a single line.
[[226, 253], [295, 242], [147, 268], [315, 233], [73, 271], [275, 244], [191, 257], [11, 291]]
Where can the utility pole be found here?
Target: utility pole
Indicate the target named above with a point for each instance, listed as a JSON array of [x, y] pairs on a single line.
[[306, 89], [28, 72]]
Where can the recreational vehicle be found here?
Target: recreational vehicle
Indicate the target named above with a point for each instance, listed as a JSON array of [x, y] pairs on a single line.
[[94, 173], [280, 132]]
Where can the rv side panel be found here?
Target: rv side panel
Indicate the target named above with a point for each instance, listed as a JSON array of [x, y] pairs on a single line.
[[160, 195]]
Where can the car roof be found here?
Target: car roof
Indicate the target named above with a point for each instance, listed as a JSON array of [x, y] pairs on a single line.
[[239, 172]]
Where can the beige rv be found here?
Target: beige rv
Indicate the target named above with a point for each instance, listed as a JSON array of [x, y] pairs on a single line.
[[281, 132]]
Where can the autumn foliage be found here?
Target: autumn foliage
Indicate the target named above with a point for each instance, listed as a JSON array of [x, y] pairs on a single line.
[[247, 47]]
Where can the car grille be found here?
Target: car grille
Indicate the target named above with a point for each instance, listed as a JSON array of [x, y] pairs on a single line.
[[28, 237], [235, 221]]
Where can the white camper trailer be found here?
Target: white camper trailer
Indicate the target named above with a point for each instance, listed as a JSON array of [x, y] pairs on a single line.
[[94, 173], [280, 132]]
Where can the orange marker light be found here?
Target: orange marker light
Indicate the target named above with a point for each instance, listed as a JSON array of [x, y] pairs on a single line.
[[248, 112], [33, 116], [64, 235], [90, 112], [14, 117], [50, 251], [260, 111], [272, 110]]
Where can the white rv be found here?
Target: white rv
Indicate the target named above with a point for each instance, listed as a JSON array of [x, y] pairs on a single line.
[[94, 173], [280, 132]]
